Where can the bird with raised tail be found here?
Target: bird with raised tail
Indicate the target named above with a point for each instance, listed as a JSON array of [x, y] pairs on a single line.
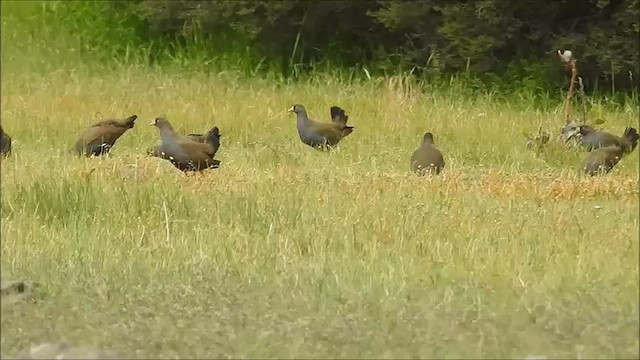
[[212, 137], [318, 134], [184, 153], [593, 139]]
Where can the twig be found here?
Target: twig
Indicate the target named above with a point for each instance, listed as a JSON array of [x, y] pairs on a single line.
[[141, 241], [166, 222], [583, 98], [295, 45], [570, 62]]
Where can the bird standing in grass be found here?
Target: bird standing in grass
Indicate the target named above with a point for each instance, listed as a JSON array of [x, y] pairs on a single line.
[[608, 150], [184, 153], [593, 139], [99, 138], [322, 135], [212, 137], [5, 143], [427, 159]]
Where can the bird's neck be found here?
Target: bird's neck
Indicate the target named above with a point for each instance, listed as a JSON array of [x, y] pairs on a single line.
[[302, 118], [167, 132]]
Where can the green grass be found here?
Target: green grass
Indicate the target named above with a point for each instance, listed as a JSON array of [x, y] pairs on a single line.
[[289, 252]]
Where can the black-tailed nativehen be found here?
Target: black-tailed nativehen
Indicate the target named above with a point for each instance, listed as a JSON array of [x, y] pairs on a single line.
[[603, 159], [5, 143], [212, 137], [322, 135], [184, 153], [427, 159], [99, 138], [593, 139]]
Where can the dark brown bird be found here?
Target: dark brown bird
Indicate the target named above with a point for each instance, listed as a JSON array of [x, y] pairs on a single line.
[[601, 160], [427, 159], [593, 139], [322, 135], [183, 152], [5, 143], [99, 138]]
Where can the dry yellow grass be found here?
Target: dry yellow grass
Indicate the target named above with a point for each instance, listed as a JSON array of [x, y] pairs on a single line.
[[287, 251]]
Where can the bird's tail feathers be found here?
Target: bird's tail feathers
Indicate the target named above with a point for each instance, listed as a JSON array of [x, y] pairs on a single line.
[[339, 115], [631, 134]]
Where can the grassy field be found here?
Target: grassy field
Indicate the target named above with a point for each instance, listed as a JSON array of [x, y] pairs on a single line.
[[290, 252]]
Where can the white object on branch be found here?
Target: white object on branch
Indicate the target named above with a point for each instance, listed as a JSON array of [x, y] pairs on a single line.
[[565, 55]]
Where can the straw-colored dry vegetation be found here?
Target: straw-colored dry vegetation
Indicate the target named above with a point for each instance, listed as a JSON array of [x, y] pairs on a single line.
[[286, 251]]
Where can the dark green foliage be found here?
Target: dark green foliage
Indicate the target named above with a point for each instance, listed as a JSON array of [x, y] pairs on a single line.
[[513, 40]]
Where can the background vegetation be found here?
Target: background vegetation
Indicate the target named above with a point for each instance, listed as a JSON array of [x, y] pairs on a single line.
[[510, 43], [286, 251]]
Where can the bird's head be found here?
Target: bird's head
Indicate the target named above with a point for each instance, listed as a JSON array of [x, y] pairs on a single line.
[[160, 122], [427, 138], [297, 108], [585, 129]]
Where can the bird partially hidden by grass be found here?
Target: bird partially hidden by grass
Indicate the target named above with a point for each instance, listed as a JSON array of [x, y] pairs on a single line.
[[427, 159], [322, 135], [603, 159], [185, 153], [99, 138], [5, 143]]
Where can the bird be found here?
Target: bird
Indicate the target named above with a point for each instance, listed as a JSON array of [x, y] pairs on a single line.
[[427, 158], [184, 153], [602, 160], [593, 139], [99, 138], [322, 135], [5, 143], [212, 137]]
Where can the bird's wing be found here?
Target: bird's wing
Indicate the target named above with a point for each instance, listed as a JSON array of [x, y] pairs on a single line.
[[194, 148], [101, 135], [108, 122], [196, 137], [329, 131]]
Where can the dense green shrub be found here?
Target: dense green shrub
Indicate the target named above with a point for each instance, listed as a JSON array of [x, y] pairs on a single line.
[[514, 41]]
